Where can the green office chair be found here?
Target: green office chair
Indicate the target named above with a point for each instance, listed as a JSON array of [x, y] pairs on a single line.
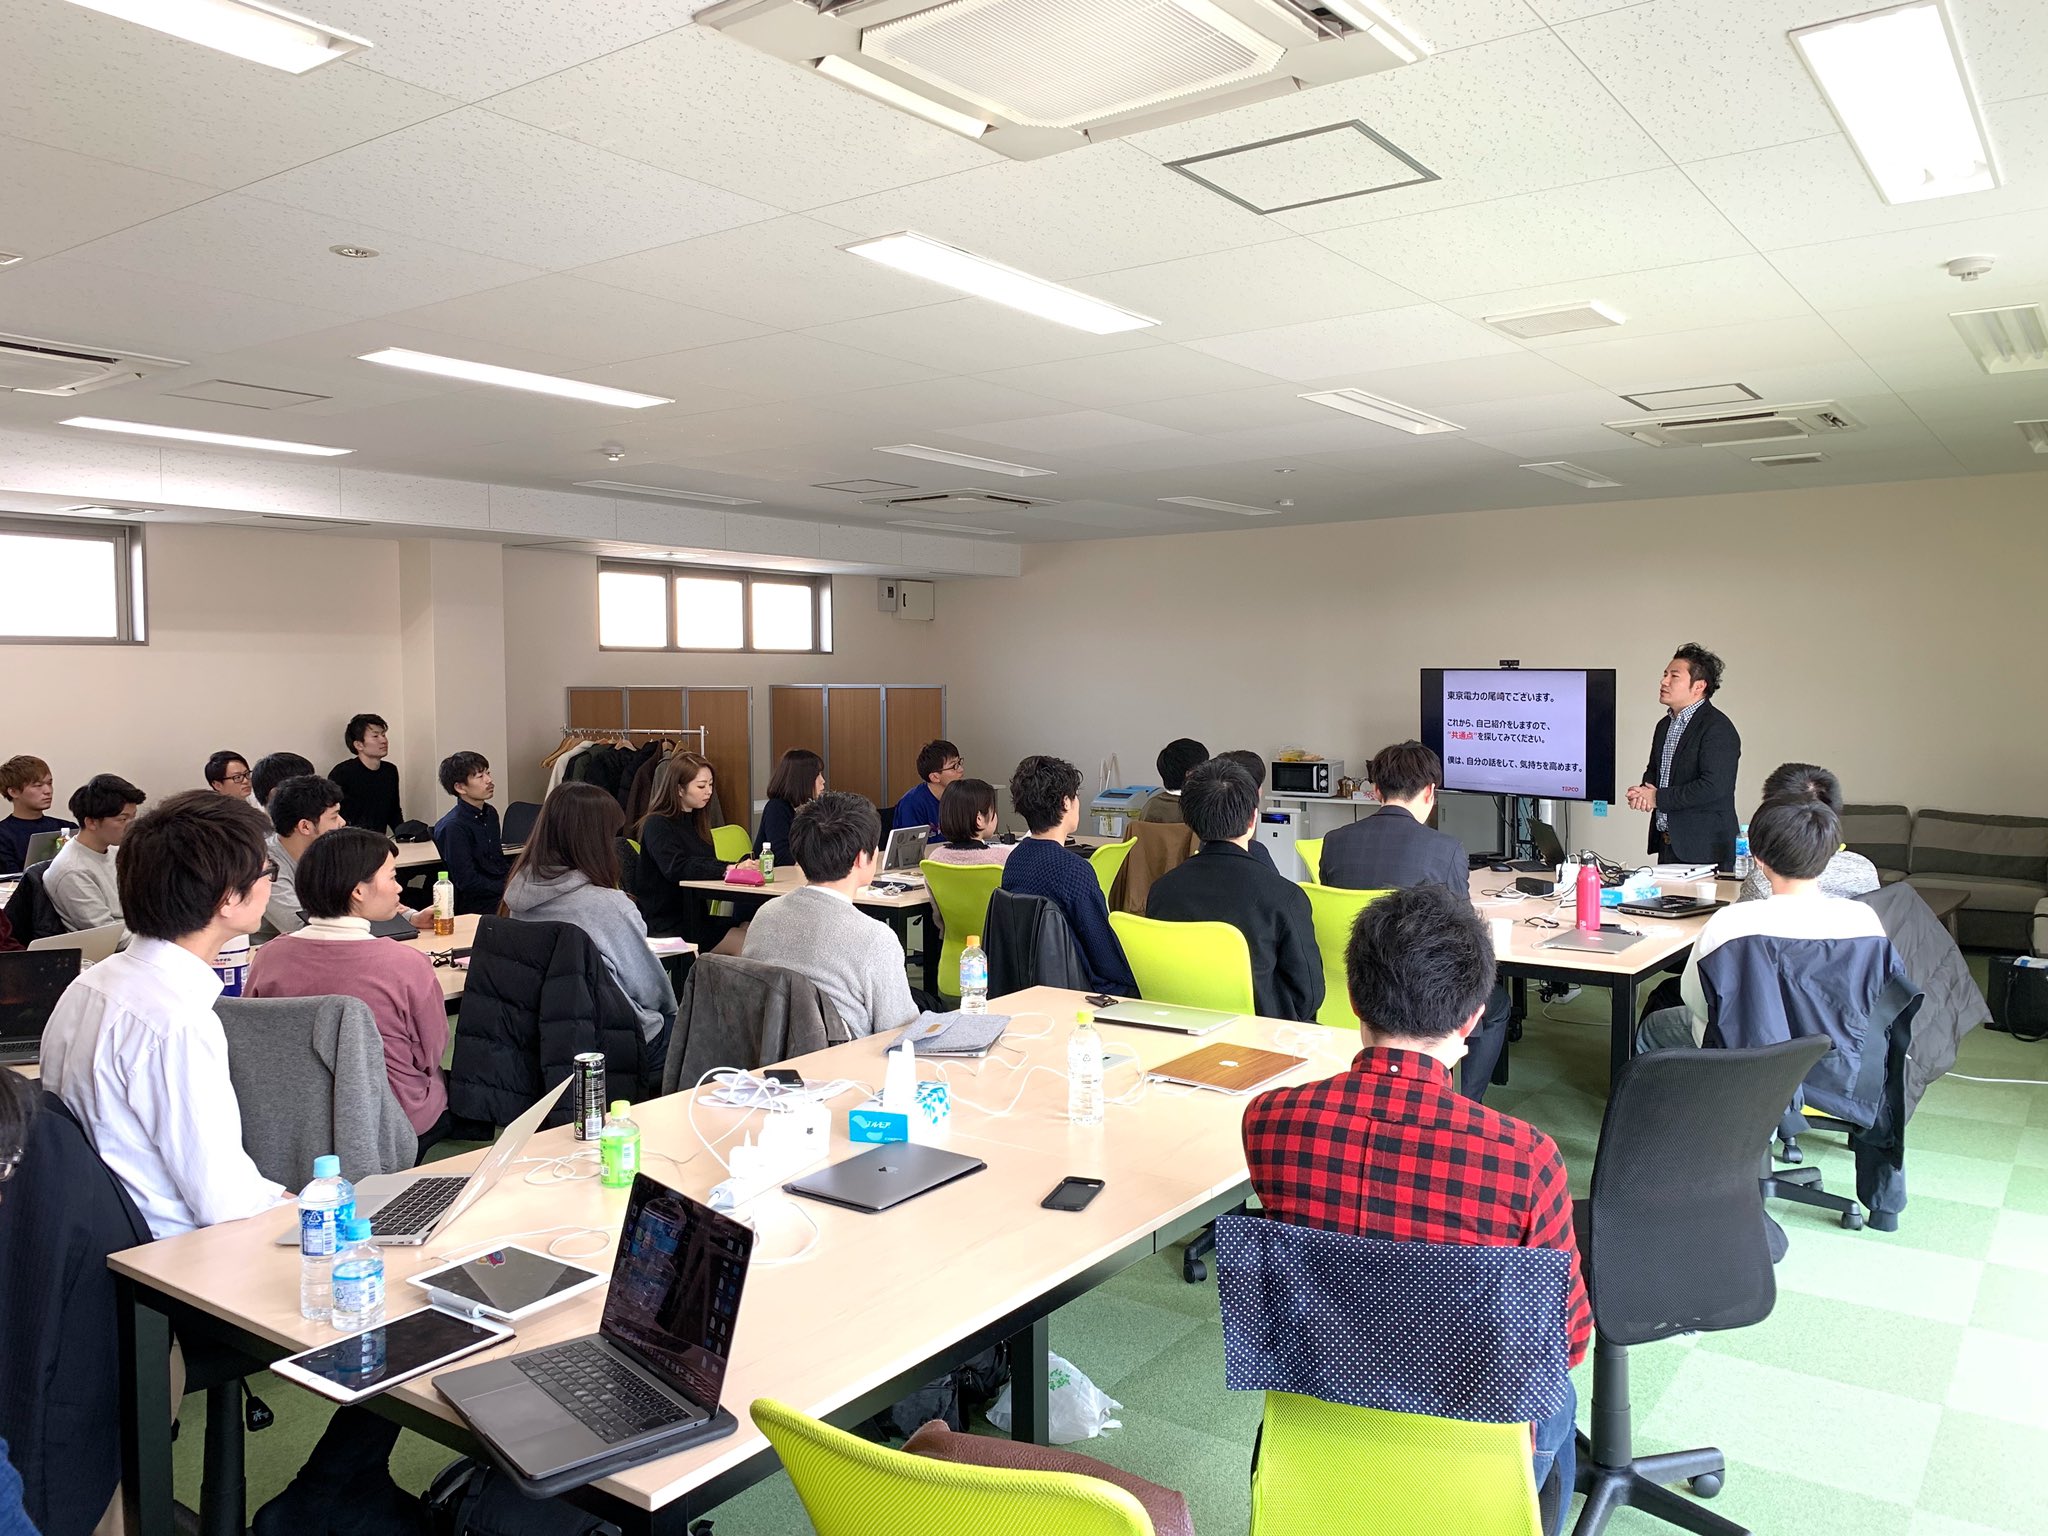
[[852, 1487], [1198, 965], [1335, 910], [1326, 1468], [732, 843], [961, 893], [1109, 859], [1311, 851]]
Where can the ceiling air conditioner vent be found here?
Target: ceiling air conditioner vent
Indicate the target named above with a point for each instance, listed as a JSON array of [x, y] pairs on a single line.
[[1734, 429], [30, 365], [1034, 77], [957, 502]]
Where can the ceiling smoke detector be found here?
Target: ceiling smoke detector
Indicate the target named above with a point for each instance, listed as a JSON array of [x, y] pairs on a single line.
[[353, 252], [1968, 269]]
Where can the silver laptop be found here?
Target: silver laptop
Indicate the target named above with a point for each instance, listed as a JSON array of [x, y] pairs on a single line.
[[93, 944], [405, 1209], [903, 853], [30, 985], [648, 1381], [1608, 941], [1167, 1016], [42, 846], [884, 1177]]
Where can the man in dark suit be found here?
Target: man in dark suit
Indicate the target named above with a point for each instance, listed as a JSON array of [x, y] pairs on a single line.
[[1689, 784], [1396, 848], [1226, 883]]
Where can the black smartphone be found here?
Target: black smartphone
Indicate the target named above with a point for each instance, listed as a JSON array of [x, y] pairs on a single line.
[[1099, 1000], [1072, 1194], [789, 1077]]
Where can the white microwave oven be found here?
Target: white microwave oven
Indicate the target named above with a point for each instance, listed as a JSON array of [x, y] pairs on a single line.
[[1317, 778]]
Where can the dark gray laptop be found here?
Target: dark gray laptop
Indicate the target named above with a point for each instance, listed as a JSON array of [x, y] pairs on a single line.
[[647, 1382], [885, 1176], [31, 981], [1549, 851]]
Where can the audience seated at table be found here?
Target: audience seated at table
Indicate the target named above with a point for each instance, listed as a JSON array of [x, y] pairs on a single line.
[[301, 809], [1390, 1149], [1254, 765], [271, 770], [938, 764], [368, 779], [798, 780], [819, 933], [675, 845], [1847, 874], [967, 825], [27, 783], [1046, 792], [471, 842], [1177, 759], [80, 881], [1225, 883], [227, 773]]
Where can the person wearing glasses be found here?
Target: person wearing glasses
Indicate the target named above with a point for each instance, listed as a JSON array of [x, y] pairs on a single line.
[[134, 1047], [227, 773], [938, 764]]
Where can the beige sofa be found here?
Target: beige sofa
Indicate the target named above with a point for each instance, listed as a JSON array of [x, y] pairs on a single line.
[[1999, 862]]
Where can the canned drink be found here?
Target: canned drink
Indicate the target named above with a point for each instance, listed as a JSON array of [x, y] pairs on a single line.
[[590, 1100]]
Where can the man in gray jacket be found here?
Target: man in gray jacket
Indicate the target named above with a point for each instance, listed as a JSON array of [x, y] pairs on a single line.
[[819, 933]]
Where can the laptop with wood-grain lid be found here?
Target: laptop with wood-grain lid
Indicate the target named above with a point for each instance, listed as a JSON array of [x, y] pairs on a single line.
[[1234, 1069]]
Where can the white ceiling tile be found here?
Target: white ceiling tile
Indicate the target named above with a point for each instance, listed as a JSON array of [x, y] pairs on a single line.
[[1447, 24], [1984, 401], [469, 49], [574, 318], [1556, 443], [2004, 46], [485, 183], [466, 416], [786, 273], [1452, 386], [1111, 519], [1125, 378], [1724, 353], [772, 535], [897, 412], [51, 199], [972, 336], [1091, 210], [702, 105], [1565, 411], [1392, 338], [699, 527], [1557, 11], [1623, 224], [783, 366], [1733, 289], [80, 463], [1798, 194], [520, 510], [62, 298], [1281, 282], [1233, 410], [414, 499], [283, 254], [251, 482], [1067, 432], [1906, 266], [81, 81]]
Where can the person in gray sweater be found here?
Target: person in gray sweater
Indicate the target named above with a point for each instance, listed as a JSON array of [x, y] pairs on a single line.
[[569, 873], [819, 933]]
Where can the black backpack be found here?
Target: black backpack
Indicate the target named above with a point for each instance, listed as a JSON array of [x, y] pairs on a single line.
[[469, 1498]]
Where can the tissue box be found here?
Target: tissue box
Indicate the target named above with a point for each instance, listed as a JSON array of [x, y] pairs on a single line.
[[926, 1123]]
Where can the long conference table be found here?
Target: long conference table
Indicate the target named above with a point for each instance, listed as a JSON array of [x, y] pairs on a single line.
[[880, 1305]]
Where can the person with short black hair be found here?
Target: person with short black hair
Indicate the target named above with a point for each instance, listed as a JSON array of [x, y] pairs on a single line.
[[1388, 1149], [1848, 874], [471, 841], [1225, 883], [227, 773], [27, 783], [1046, 792], [797, 780], [368, 780], [1177, 759], [1688, 786], [967, 825], [134, 1046], [819, 933], [81, 881], [1395, 849], [1254, 765], [273, 769], [347, 880], [938, 764], [301, 809]]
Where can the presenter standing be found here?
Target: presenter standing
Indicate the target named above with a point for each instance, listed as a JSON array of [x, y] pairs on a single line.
[[1689, 785]]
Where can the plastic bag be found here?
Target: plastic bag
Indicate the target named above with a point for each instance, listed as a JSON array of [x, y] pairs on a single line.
[[1079, 1410]]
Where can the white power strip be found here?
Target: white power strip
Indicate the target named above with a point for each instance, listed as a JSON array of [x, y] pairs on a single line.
[[794, 1135]]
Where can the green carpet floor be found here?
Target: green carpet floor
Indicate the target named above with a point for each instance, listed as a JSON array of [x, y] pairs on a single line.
[[1899, 1389]]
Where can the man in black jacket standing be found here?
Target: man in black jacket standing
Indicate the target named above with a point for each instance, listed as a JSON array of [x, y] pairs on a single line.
[[1689, 785]]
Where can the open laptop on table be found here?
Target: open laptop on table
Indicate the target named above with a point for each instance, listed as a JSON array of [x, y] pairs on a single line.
[[647, 1382], [1172, 1017], [31, 981], [1549, 851], [405, 1209], [903, 853], [92, 944], [41, 848]]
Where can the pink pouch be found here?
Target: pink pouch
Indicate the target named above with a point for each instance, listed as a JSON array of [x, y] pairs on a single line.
[[738, 876]]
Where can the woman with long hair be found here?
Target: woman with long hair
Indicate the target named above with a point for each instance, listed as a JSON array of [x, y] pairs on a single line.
[[568, 872], [675, 845], [798, 780]]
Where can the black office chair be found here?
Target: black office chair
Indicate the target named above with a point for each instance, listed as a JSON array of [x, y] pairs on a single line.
[[30, 912], [1674, 1240], [518, 824]]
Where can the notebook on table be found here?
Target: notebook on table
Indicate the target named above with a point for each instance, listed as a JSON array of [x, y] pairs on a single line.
[[1232, 1069]]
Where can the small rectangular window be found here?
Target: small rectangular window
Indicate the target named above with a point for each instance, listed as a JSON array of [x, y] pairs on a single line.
[[632, 610], [783, 616], [658, 607], [708, 612], [70, 583]]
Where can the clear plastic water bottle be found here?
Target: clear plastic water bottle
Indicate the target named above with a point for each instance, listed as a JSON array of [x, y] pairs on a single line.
[[324, 1205], [1743, 862], [974, 976], [767, 862], [1084, 1072], [618, 1148], [444, 906], [358, 1280]]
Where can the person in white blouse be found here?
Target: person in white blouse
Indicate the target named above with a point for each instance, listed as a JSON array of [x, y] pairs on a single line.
[[134, 1046]]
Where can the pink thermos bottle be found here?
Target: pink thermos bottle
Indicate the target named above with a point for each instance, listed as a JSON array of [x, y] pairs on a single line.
[[1589, 899]]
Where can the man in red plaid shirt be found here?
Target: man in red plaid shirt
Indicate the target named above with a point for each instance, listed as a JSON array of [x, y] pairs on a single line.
[[1391, 1149]]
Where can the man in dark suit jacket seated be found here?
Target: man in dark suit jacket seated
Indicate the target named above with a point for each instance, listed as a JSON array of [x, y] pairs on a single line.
[[1396, 848], [1227, 883]]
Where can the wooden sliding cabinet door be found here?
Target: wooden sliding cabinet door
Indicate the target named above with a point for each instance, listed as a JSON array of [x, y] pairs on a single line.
[[726, 716], [911, 717], [796, 720], [853, 742]]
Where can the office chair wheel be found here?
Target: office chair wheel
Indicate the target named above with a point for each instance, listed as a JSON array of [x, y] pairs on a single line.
[[1193, 1270], [1706, 1485], [1790, 1152], [1853, 1219]]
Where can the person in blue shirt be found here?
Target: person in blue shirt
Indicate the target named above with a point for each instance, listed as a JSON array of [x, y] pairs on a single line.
[[1046, 792], [938, 764], [471, 843]]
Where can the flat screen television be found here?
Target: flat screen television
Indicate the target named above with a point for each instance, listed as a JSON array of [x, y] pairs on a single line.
[[1541, 731]]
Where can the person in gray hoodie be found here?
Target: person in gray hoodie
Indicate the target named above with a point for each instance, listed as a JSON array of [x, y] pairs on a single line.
[[569, 873]]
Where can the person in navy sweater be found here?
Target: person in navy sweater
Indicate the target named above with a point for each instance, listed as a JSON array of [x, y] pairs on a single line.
[[1046, 792], [938, 764], [471, 843]]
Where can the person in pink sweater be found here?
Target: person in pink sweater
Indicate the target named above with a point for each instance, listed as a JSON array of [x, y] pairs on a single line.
[[348, 879], [967, 820]]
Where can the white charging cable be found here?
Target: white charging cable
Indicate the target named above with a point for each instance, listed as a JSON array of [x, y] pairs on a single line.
[[569, 1233]]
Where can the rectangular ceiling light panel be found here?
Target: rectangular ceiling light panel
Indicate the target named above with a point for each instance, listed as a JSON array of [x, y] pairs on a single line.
[[633, 488], [918, 522], [1556, 320], [512, 378], [1388, 413], [1896, 83], [259, 33], [1209, 504], [2011, 340], [2036, 434], [963, 460], [1692, 399], [1574, 474], [212, 439], [1788, 460], [1301, 170], [938, 262]]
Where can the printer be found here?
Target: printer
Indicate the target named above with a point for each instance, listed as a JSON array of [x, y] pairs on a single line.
[[1116, 806]]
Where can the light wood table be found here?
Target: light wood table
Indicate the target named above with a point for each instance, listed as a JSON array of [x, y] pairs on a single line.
[[454, 978], [881, 1304], [894, 910], [421, 855]]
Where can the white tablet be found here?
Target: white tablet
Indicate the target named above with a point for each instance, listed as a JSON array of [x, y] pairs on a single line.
[[364, 1364], [506, 1283]]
